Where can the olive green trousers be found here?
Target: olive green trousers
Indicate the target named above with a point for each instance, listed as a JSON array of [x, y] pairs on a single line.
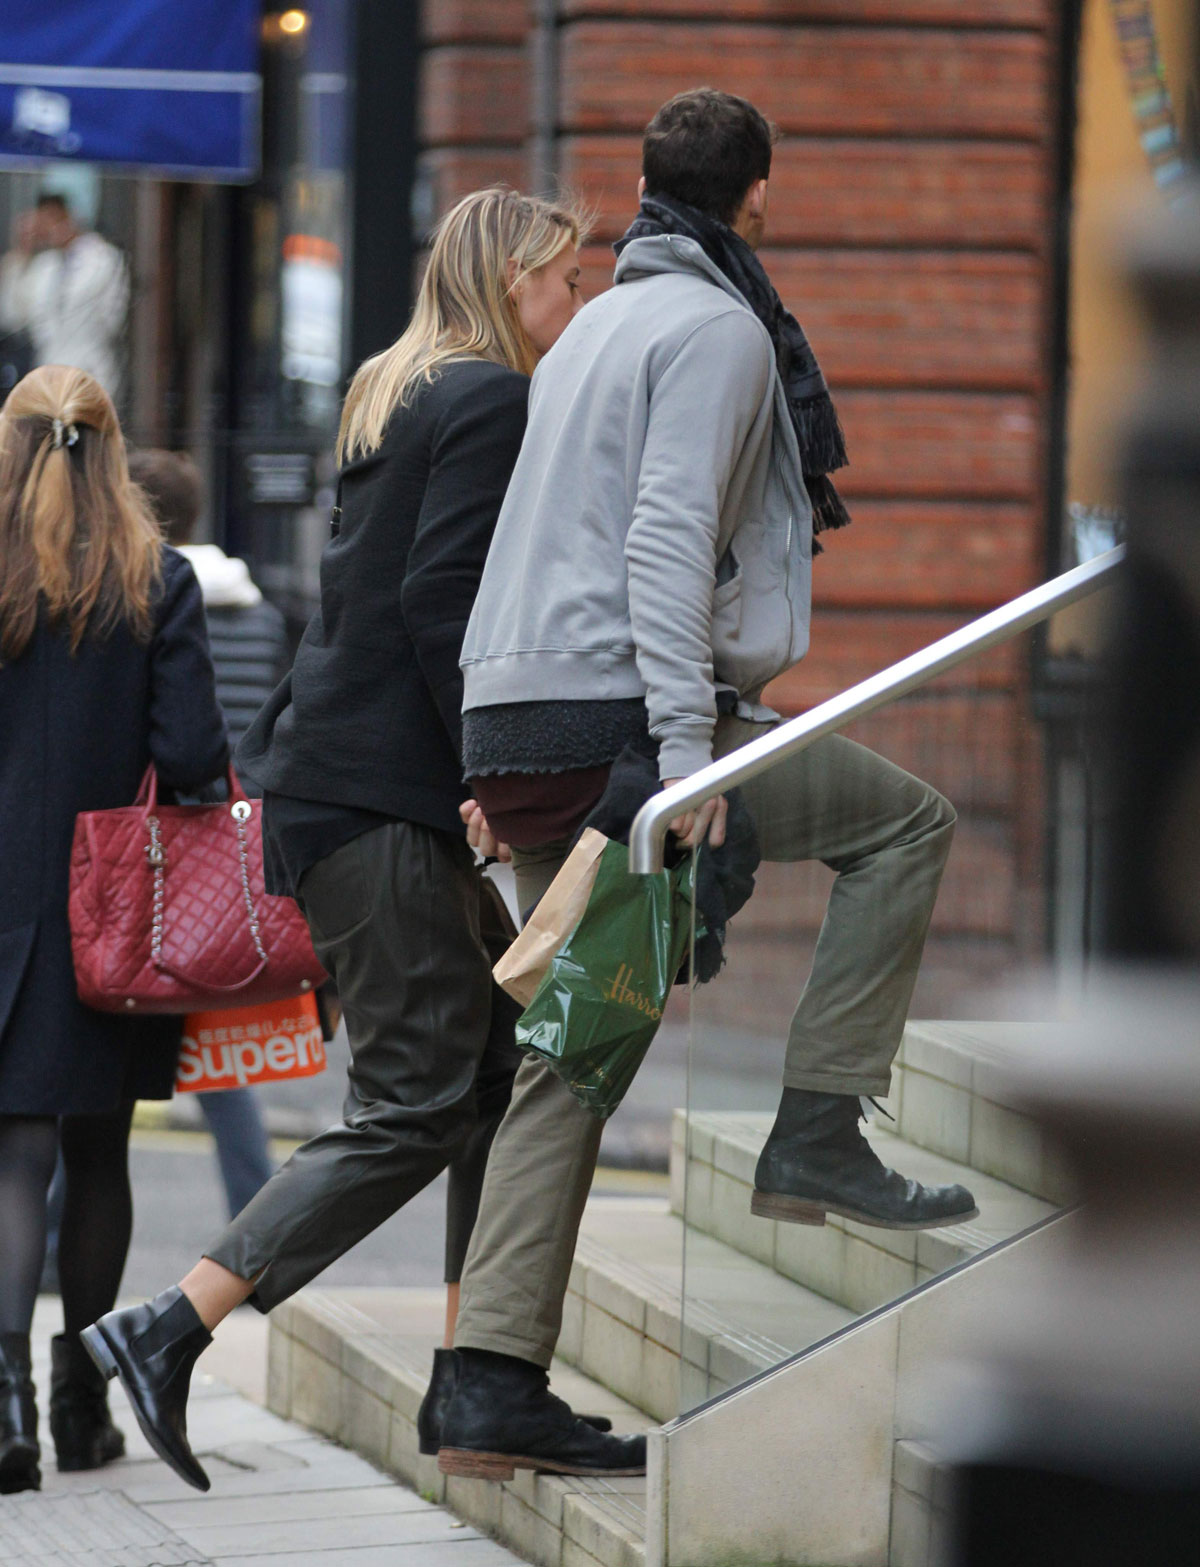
[[886, 835]]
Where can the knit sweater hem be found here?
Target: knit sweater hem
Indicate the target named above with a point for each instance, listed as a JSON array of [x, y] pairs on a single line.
[[548, 737]]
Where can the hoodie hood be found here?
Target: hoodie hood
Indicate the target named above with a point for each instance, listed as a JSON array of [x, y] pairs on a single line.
[[225, 582], [657, 253]]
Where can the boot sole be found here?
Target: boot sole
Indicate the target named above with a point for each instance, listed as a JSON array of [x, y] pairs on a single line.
[[430, 1449], [19, 1469], [105, 1360], [796, 1210], [471, 1465]]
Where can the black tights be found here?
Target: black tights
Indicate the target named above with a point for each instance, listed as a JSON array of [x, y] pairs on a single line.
[[97, 1213]]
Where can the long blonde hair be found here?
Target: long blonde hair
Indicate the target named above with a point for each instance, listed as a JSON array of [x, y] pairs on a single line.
[[465, 305], [75, 532]]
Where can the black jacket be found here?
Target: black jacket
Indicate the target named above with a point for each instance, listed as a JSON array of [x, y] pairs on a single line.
[[76, 733], [370, 715], [249, 653]]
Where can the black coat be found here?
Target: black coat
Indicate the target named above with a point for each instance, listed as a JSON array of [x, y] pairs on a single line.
[[371, 714], [76, 734], [249, 648]]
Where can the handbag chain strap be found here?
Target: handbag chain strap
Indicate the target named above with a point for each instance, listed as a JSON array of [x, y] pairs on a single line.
[[155, 853]]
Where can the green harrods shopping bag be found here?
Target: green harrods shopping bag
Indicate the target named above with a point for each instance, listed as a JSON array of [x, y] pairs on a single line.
[[601, 1000]]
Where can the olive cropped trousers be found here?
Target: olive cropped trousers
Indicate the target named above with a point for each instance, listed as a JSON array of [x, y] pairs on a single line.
[[409, 929], [886, 835]]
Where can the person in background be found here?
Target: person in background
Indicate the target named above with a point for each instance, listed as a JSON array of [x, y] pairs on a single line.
[[248, 640], [104, 668], [359, 754], [69, 289]]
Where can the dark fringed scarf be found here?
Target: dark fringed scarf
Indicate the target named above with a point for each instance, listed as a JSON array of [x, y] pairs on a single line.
[[818, 431]]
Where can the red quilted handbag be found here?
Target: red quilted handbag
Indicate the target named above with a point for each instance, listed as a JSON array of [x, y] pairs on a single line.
[[169, 914]]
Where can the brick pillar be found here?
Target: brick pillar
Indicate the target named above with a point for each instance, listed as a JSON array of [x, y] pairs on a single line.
[[475, 98]]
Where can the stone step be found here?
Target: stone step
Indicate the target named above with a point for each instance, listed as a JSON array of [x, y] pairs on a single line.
[[626, 1324], [920, 1522], [951, 1094], [828, 1453], [858, 1266], [353, 1364]]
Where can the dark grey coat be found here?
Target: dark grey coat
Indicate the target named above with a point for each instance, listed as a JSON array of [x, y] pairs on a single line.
[[76, 734]]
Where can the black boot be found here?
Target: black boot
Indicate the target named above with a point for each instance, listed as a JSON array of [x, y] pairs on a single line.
[[18, 1418], [503, 1417], [153, 1348], [437, 1399], [816, 1161], [82, 1428]]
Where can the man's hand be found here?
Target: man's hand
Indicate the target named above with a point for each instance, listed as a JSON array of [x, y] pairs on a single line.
[[692, 827], [479, 834]]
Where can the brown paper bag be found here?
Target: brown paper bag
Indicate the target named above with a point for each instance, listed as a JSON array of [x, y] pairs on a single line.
[[521, 970]]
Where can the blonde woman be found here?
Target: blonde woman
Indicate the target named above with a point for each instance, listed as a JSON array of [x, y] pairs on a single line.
[[359, 756], [103, 666]]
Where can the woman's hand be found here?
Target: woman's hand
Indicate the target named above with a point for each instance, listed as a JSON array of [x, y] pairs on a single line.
[[480, 835], [691, 827]]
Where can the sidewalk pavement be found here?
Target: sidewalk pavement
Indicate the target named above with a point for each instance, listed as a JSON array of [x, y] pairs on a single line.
[[280, 1496]]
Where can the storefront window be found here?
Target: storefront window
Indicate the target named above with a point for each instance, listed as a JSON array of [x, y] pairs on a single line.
[[290, 363]]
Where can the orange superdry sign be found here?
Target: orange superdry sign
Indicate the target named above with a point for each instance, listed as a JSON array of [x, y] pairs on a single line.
[[239, 1046]]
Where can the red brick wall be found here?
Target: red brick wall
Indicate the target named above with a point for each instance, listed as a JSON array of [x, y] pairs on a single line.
[[909, 230], [475, 95]]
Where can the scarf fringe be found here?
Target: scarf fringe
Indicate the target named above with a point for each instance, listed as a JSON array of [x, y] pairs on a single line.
[[828, 508], [822, 440]]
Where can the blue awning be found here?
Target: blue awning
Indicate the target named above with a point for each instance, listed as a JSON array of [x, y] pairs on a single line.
[[164, 86]]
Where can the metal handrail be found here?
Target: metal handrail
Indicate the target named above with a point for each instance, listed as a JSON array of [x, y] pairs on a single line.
[[649, 830]]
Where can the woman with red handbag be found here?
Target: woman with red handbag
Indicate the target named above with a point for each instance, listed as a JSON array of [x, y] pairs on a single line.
[[359, 755], [104, 667]]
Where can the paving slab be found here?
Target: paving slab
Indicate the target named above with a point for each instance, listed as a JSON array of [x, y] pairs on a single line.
[[421, 1525], [469, 1553], [96, 1529], [281, 1497]]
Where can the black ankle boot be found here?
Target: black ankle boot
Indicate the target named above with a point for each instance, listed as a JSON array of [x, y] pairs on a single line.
[[816, 1161], [82, 1428], [437, 1400], [19, 1453], [153, 1348], [503, 1417]]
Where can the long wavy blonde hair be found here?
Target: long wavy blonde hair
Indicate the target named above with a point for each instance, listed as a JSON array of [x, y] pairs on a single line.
[[75, 533], [465, 305]]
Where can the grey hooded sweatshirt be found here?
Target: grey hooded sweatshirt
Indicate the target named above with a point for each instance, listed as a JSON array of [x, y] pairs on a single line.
[[656, 537]]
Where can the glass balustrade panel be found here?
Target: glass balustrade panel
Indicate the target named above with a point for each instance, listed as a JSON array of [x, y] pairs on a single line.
[[1005, 739]]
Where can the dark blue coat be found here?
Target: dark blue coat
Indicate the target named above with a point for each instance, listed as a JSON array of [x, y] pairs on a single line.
[[76, 734]]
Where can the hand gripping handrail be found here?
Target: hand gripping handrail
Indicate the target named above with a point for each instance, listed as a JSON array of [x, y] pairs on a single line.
[[649, 830]]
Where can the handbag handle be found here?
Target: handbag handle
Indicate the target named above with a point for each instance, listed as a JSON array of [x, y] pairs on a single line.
[[240, 810], [147, 794]]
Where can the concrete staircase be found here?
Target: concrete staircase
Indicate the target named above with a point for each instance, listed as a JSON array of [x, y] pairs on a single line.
[[761, 1299]]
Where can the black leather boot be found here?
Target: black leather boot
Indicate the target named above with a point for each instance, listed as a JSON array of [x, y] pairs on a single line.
[[432, 1412], [19, 1453], [816, 1161], [153, 1348], [82, 1428], [503, 1417], [437, 1399]]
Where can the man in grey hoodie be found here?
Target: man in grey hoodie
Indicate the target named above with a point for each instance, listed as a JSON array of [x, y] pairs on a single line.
[[651, 570]]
